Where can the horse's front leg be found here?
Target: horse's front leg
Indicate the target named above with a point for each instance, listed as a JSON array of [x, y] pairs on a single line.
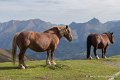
[[103, 53], [52, 58], [48, 58]]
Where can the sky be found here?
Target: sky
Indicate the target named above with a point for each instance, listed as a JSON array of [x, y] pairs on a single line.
[[60, 11]]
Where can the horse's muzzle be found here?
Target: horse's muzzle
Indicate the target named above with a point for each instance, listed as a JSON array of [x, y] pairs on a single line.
[[112, 42], [70, 39]]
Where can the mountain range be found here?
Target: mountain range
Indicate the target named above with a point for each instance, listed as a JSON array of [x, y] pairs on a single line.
[[66, 50]]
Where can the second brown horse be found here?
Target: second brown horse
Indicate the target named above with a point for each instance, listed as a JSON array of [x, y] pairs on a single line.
[[40, 42], [99, 41]]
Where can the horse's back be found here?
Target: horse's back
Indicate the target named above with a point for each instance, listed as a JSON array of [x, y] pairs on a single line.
[[92, 37], [31, 35], [27, 34]]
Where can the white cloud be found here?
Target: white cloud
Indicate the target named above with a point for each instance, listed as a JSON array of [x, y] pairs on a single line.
[[60, 11]]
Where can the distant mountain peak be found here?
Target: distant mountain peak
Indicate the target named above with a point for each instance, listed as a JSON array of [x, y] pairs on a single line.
[[94, 21], [13, 21], [35, 20], [73, 23]]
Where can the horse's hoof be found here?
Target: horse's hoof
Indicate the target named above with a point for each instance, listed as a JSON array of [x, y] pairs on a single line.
[[53, 63], [97, 57], [90, 58], [21, 66], [26, 66], [104, 57], [48, 63]]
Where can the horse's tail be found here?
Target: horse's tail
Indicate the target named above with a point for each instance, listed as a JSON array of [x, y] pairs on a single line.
[[88, 46], [14, 48]]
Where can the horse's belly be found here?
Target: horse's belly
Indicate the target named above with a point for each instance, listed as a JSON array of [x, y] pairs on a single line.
[[100, 46], [38, 48]]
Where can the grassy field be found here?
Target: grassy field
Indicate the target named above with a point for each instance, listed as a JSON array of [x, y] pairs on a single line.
[[64, 70]]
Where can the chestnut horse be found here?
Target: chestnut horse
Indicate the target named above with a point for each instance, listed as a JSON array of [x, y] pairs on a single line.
[[99, 42], [40, 42]]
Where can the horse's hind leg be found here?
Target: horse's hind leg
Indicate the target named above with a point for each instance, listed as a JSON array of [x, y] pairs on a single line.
[[88, 52], [52, 58], [48, 58], [95, 53], [21, 59]]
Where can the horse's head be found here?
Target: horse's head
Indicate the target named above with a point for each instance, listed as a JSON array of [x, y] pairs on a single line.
[[66, 32], [111, 37]]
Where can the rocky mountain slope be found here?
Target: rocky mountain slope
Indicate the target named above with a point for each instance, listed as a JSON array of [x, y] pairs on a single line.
[[74, 50]]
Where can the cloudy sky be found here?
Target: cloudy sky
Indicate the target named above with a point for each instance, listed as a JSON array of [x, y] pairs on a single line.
[[60, 11]]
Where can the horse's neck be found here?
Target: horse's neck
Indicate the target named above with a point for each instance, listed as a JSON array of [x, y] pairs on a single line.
[[53, 34], [105, 37]]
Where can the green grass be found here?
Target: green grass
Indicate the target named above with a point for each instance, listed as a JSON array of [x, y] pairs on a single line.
[[64, 70], [117, 78]]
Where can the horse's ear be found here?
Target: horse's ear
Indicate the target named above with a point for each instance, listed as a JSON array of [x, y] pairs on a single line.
[[67, 27], [111, 33]]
